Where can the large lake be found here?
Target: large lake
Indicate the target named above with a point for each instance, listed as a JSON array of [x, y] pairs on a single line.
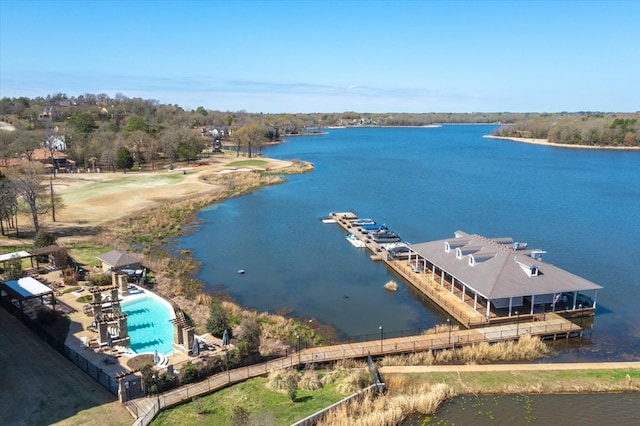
[[581, 206]]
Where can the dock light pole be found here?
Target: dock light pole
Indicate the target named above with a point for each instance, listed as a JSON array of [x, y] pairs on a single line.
[[157, 389], [299, 362], [517, 323], [449, 327], [581, 320], [381, 338], [226, 355]]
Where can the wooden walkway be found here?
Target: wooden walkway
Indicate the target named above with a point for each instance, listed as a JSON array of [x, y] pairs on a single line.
[[553, 326]]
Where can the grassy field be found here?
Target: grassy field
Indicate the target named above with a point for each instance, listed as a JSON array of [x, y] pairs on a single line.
[[85, 254], [118, 183], [262, 403]]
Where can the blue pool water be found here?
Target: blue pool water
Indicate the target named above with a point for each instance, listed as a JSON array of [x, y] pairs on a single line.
[[149, 324]]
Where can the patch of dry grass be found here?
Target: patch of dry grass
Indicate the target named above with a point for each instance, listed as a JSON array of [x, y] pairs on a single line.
[[388, 409], [310, 380], [526, 348]]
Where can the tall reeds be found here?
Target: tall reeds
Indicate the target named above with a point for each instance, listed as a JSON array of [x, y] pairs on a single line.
[[526, 348], [388, 409]]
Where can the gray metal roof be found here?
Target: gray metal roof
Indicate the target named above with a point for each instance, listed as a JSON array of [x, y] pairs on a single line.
[[499, 270], [118, 259]]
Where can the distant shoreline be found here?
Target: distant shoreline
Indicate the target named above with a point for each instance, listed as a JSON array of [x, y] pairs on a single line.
[[546, 142]]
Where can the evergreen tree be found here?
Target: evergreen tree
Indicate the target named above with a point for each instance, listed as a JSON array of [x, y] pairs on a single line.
[[124, 159], [218, 321]]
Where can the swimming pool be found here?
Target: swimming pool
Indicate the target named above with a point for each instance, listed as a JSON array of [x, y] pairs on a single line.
[[149, 324]]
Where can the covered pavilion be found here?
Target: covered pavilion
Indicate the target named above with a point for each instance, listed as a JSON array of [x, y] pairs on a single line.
[[500, 277], [25, 289]]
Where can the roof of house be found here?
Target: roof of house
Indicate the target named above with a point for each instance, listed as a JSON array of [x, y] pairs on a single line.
[[40, 154], [118, 259], [499, 268]]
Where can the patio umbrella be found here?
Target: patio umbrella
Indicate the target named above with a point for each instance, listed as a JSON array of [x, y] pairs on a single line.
[[196, 346], [225, 338], [156, 358]]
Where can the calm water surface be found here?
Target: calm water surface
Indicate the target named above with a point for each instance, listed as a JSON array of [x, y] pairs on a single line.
[[548, 410], [582, 206]]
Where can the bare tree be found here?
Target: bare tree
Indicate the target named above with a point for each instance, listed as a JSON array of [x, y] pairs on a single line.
[[29, 187], [250, 138], [8, 204]]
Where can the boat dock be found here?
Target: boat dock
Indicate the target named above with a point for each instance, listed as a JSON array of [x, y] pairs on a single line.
[[460, 306]]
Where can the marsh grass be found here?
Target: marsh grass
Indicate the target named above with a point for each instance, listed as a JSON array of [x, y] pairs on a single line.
[[310, 380], [526, 348], [524, 382], [388, 409]]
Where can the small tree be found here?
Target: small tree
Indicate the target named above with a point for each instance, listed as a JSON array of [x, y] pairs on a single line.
[[292, 387], [218, 320], [13, 269], [249, 336], [124, 159], [43, 239]]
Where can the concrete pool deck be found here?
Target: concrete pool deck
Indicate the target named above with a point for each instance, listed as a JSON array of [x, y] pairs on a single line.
[[84, 341]]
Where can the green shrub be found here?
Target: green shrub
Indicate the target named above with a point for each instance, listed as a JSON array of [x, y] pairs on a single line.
[[188, 374]]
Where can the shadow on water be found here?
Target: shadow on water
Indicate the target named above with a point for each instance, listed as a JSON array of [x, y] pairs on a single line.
[[140, 326], [137, 311]]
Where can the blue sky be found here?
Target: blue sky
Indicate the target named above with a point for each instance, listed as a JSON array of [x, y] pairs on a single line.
[[329, 56]]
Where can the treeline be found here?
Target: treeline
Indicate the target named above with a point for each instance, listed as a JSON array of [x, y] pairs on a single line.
[[590, 129], [96, 130]]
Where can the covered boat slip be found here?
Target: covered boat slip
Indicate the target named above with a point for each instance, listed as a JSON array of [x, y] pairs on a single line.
[[502, 278], [480, 281]]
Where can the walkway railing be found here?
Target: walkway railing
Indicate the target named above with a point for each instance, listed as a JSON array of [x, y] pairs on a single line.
[[438, 341]]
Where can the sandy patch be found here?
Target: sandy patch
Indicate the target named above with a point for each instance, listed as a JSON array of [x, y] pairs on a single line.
[[225, 171], [546, 142], [6, 126]]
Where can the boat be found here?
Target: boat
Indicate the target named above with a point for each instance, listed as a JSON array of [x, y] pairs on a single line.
[[384, 236], [399, 252], [328, 219], [241, 271], [362, 222], [355, 241], [372, 228]]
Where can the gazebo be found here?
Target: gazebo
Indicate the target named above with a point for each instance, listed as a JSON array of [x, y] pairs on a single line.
[[25, 289]]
